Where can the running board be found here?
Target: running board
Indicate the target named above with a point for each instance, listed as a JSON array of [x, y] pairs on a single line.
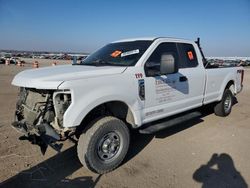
[[152, 128]]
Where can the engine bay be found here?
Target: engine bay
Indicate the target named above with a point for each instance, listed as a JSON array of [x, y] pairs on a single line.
[[39, 115]]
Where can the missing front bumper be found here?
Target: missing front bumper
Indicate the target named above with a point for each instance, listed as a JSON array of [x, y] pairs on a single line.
[[43, 136]]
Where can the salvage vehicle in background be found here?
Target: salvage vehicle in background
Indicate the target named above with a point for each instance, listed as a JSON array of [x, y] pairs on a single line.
[[125, 85], [2, 60]]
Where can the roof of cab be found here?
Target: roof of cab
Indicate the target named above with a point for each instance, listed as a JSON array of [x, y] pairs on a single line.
[[152, 39]]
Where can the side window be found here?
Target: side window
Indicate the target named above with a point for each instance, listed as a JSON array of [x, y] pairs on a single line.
[[152, 66], [187, 55]]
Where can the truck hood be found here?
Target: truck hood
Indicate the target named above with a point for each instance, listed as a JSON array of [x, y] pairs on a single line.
[[52, 77]]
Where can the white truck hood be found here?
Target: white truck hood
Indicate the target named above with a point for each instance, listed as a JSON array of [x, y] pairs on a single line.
[[52, 77]]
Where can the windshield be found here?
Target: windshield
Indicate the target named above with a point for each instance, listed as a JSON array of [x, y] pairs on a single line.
[[118, 54]]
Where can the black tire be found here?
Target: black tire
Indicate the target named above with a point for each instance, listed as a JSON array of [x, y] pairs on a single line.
[[224, 107], [107, 133]]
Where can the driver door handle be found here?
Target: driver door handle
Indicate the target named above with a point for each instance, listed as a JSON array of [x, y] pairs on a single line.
[[183, 78]]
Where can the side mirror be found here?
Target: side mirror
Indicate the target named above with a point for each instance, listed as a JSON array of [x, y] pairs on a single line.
[[168, 64]]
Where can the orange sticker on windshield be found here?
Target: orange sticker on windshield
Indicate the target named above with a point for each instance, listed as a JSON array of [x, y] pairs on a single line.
[[190, 55], [116, 53]]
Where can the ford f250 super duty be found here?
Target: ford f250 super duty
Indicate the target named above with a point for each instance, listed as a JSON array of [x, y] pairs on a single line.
[[125, 85]]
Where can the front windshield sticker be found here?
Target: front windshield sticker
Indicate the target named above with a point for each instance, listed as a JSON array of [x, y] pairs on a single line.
[[132, 52], [116, 53]]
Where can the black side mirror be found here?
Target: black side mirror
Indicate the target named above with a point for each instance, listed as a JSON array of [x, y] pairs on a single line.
[[168, 64]]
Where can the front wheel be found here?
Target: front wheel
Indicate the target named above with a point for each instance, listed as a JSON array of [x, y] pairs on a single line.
[[224, 107], [104, 146]]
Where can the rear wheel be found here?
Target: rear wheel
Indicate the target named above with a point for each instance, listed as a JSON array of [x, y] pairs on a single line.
[[104, 146], [224, 107]]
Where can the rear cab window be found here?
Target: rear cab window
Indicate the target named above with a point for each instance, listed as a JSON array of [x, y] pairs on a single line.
[[187, 55]]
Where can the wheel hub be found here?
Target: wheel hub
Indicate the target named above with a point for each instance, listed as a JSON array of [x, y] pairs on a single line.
[[108, 146], [227, 103]]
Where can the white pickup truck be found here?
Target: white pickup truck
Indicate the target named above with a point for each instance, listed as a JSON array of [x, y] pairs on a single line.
[[125, 85]]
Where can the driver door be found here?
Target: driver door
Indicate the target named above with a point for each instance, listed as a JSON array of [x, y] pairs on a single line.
[[163, 92]]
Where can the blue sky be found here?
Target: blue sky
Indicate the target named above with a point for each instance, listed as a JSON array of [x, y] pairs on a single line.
[[83, 26]]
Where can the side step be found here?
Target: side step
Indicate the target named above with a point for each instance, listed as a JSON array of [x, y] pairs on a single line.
[[155, 127]]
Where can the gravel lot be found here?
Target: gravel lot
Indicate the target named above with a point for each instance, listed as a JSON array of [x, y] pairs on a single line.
[[206, 152]]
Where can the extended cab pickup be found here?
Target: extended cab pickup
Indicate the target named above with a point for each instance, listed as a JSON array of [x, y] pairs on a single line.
[[122, 86]]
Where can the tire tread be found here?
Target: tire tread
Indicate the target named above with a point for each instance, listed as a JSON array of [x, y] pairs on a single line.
[[85, 138]]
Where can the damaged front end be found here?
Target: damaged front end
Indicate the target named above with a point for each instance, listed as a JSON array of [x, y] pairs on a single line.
[[39, 116]]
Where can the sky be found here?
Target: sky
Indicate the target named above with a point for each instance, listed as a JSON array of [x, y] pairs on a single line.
[[86, 25]]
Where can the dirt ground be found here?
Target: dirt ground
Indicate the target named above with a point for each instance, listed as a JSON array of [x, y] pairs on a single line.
[[210, 151]]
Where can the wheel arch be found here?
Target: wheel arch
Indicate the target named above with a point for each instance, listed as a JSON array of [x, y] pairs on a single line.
[[230, 84], [116, 108]]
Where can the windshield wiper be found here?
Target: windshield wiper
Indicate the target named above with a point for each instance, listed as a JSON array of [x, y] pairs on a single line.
[[98, 62], [101, 62]]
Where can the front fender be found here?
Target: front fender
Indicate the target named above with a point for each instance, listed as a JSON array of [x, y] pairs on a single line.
[[74, 116], [88, 94]]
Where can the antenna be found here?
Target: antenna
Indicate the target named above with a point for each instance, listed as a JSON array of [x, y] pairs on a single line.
[[198, 41], [205, 62]]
